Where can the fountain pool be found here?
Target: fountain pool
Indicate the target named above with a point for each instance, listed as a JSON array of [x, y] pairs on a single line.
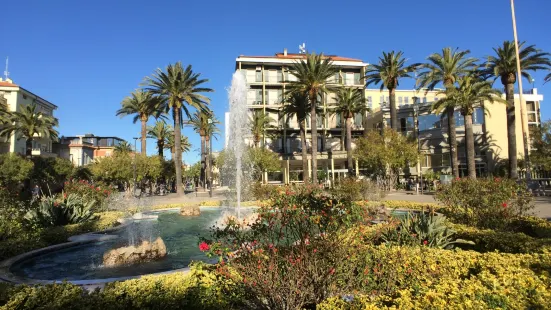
[[84, 261]]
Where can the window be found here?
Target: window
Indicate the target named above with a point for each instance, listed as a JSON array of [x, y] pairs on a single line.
[[357, 78], [258, 99], [279, 76], [406, 100], [386, 99], [358, 120], [530, 106], [337, 77], [381, 99], [429, 121], [400, 100], [267, 96], [258, 77], [279, 96], [369, 102], [478, 116], [338, 120], [424, 99]]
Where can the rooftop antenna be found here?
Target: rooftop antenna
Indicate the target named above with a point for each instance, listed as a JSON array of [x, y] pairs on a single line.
[[6, 72], [302, 48]]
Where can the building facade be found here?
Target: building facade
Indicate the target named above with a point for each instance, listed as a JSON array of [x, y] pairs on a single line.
[[14, 98], [81, 150], [266, 76], [417, 119]]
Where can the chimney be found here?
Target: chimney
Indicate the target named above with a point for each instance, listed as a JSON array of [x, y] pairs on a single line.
[[9, 80], [285, 52]]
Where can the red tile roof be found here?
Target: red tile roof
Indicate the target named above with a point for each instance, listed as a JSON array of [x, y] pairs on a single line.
[[7, 84], [302, 56]]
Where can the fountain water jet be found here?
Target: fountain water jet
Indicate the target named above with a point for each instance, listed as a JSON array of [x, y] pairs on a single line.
[[239, 130]]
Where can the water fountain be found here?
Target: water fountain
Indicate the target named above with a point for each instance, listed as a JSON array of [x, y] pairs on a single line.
[[239, 131]]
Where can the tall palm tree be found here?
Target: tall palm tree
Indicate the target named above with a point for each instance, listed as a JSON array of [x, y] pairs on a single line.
[[387, 72], [471, 93], [160, 132], [185, 146], [204, 123], [547, 78], [311, 75], [349, 102], [447, 68], [28, 124], [181, 88], [503, 65], [142, 104], [260, 122], [123, 148], [296, 104]]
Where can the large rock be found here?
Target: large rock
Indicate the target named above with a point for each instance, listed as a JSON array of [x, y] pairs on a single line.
[[144, 252], [190, 211]]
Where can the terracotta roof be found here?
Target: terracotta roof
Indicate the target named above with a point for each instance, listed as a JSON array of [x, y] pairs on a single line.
[[7, 84], [302, 56]]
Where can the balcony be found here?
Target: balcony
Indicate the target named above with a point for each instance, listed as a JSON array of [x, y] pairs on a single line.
[[43, 152]]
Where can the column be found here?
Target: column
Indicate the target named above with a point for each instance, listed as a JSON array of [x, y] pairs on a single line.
[[266, 177], [309, 171], [332, 171], [287, 171], [357, 168]]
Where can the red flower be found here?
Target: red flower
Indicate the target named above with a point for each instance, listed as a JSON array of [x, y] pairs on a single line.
[[332, 271], [457, 179], [504, 205], [425, 242], [203, 246]]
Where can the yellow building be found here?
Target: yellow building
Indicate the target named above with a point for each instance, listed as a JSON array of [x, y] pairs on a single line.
[[490, 129], [14, 97], [265, 77]]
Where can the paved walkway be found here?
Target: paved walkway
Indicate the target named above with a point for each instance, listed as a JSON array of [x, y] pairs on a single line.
[[542, 203]]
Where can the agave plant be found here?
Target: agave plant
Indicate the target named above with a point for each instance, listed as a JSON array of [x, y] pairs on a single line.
[[52, 212], [422, 229]]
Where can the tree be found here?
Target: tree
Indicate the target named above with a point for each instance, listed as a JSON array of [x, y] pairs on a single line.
[[471, 93], [181, 89], [50, 173], [390, 69], [123, 148], [349, 102], [143, 104], [160, 132], [262, 160], [386, 153], [503, 65], [541, 142], [185, 146], [260, 122], [296, 104], [311, 75], [547, 78], [14, 171], [29, 123], [447, 68], [204, 123]]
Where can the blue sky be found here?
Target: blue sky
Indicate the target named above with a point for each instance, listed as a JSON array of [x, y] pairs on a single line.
[[86, 56]]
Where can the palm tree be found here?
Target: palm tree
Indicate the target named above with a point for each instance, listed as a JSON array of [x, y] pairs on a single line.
[[260, 122], [504, 66], [28, 124], [387, 72], [447, 68], [204, 123], [185, 146], [160, 132], [123, 148], [349, 102], [547, 78], [472, 92], [181, 89], [297, 104], [143, 104], [312, 74]]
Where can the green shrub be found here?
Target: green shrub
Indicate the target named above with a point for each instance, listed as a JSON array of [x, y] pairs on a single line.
[[98, 193], [354, 189], [485, 203], [260, 191], [52, 212], [14, 171], [421, 229], [532, 226]]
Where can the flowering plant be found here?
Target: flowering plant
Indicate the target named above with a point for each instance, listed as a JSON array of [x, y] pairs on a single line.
[[88, 191]]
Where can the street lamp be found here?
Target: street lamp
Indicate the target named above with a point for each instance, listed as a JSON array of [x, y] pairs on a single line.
[[134, 187]]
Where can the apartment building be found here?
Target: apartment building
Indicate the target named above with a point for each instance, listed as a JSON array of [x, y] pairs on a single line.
[[416, 119], [14, 98], [266, 76], [81, 150]]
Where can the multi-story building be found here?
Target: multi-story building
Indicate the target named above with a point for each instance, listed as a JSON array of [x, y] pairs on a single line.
[[430, 130], [83, 149], [266, 76], [15, 97]]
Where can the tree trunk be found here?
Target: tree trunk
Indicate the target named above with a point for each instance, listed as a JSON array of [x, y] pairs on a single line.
[[469, 145], [178, 150], [203, 163], [452, 140], [349, 145], [29, 148], [144, 135], [393, 115], [302, 127], [511, 130], [314, 137], [160, 147]]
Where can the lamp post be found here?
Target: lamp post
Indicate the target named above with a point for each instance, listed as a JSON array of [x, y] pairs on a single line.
[[416, 115], [135, 152]]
